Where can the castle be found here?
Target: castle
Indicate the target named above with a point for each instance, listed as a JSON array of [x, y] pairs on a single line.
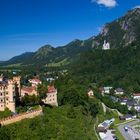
[[106, 45], [51, 96], [9, 89]]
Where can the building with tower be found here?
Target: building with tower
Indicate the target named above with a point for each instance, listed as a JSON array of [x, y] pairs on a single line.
[[9, 89], [106, 45]]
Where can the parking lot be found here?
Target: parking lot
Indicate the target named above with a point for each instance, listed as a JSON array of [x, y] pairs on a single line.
[[109, 135], [131, 133]]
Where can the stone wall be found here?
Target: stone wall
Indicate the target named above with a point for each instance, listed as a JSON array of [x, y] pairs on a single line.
[[20, 117]]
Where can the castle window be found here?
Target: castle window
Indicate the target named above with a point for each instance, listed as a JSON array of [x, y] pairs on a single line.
[[1, 105], [1, 100], [6, 93], [1, 94], [7, 99]]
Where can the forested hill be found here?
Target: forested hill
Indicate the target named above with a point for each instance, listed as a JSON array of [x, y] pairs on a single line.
[[116, 67], [48, 55], [119, 33]]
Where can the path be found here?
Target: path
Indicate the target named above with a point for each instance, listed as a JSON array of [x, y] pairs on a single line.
[[105, 108]]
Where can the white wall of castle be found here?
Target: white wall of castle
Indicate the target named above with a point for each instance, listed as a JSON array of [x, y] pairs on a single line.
[[51, 99], [7, 93], [106, 45]]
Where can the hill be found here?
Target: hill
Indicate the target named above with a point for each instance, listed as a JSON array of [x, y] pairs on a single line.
[[119, 33], [47, 54], [116, 67]]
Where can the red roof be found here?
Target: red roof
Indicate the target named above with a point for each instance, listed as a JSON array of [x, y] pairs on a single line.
[[137, 94], [51, 89], [35, 80], [27, 89]]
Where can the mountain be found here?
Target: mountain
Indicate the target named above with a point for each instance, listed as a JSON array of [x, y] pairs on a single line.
[[25, 57], [48, 55], [120, 33]]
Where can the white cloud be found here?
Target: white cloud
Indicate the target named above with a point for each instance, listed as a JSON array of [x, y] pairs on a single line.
[[106, 3]]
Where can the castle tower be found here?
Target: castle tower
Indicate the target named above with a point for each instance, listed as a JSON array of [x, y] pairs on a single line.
[[1, 77], [10, 94], [16, 81], [106, 45]]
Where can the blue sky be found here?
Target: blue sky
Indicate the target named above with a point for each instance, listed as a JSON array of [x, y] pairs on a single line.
[[26, 25]]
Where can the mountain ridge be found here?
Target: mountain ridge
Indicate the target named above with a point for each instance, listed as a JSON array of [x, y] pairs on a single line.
[[119, 33]]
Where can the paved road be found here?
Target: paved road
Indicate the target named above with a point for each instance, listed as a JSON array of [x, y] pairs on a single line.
[[125, 134]]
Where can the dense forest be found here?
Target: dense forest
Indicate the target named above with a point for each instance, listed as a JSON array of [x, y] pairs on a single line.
[[116, 67]]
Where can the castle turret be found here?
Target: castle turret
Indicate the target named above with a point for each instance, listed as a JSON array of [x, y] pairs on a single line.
[[106, 45], [10, 101]]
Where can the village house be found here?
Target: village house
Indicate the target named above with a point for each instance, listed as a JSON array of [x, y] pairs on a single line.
[[119, 91], [105, 90], [137, 108], [25, 90], [131, 103], [90, 93], [51, 96], [8, 90], [128, 102], [105, 125], [123, 101], [127, 117], [136, 96], [35, 82]]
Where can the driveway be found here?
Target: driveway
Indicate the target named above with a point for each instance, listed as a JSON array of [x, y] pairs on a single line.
[[131, 133]]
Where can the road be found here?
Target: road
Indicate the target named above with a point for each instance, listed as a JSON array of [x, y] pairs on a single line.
[[130, 134]]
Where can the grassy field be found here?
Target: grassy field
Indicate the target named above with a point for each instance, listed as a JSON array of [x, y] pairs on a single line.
[[63, 123]]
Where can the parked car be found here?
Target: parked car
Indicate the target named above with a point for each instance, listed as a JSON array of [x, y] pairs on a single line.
[[115, 138], [125, 128]]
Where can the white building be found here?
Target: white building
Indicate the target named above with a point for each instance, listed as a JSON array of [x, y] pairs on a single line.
[[106, 124], [106, 45], [119, 91], [105, 90], [136, 96]]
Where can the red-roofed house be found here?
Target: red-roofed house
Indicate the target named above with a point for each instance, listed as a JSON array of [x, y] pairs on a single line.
[[35, 82], [28, 90], [90, 93], [136, 96], [51, 96]]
